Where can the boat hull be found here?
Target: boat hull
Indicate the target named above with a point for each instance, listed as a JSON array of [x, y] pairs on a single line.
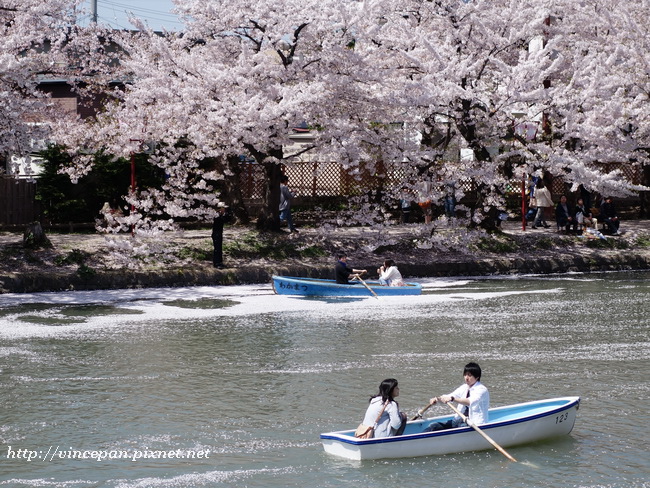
[[508, 426], [286, 285]]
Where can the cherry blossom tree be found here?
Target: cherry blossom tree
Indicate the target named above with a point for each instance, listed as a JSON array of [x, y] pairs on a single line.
[[32, 34], [557, 87], [549, 86], [601, 89], [233, 85]]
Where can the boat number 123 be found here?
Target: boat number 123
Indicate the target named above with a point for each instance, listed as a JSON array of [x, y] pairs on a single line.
[[561, 418]]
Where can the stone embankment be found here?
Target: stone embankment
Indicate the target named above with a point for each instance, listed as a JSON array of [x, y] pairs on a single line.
[[42, 270]]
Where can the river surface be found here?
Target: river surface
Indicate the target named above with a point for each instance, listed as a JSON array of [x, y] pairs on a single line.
[[238, 383]]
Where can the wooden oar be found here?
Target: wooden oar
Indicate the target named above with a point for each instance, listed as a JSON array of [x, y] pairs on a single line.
[[422, 410], [366, 285], [487, 437]]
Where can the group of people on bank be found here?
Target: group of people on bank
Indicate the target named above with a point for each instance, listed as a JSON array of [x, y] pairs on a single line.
[[472, 398], [568, 217]]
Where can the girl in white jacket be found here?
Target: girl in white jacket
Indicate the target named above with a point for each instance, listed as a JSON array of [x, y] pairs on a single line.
[[542, 200], [389, 274], [392, 421]]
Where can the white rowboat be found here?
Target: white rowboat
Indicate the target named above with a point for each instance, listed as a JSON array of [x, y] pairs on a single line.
[[511, 425]]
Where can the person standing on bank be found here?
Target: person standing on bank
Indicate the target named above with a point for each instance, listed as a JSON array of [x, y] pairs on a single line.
[[405, 206], [543, 201], [286, 196], [222, 217], [472, 397], [392, 421], [343, 271]]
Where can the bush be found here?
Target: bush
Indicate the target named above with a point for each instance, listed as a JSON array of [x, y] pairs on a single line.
[[497, 245], [271, 246], [73, 257], [62, 201], [545, 243], [643, 241]]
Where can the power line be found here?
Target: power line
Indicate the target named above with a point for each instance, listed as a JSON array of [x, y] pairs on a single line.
[[86, 20], [129, 8], [112, 22], [121, 11]]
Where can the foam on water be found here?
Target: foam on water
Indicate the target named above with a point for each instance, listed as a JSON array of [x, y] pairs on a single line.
[[46, 483], [207, 479], [55, 316]]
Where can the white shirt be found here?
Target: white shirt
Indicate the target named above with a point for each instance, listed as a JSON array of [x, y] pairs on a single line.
[[479, 401], [390, 418], [392, 277], [543, 197]]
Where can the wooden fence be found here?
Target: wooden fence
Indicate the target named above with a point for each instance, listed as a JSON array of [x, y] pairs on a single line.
[[331, 179], [17, 201], [18, 205]]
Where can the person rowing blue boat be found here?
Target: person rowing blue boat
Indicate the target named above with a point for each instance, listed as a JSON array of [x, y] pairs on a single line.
[[343, 271]]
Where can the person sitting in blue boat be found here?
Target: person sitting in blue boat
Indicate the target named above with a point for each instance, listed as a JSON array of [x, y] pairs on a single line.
[[392, 422], [389, 275], [472, 397], [343, 271]]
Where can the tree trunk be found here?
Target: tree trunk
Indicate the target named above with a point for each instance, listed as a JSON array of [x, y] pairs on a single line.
[[269, 216], [644, 195], [489, 221], [232, 188], [34, 236]]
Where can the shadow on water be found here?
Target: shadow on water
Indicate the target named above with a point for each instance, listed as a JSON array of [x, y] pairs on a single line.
[[27, 308], [341, 300], [201, 303], [66, 315], [96, 310]]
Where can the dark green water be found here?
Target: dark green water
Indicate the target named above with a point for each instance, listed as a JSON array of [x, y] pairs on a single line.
[[241, 382]]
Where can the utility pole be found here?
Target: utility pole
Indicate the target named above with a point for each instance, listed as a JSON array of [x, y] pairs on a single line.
[[93, 11]]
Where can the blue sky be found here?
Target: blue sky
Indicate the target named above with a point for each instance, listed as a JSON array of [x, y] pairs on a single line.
[[157, 13]]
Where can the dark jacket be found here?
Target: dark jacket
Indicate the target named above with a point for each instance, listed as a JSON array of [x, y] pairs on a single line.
[[583, 210], [607, 210], [343, 272], [285, 197], [219, 220], [562, 216]]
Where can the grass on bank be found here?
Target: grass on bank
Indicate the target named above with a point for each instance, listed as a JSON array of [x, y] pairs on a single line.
[[500, 244], [643, 241], [608, 244], [250, 245], [503, 244], [255, 245], [270, 246]]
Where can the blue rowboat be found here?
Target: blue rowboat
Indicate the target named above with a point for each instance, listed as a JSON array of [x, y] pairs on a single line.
[[287, 285], [508, 426]]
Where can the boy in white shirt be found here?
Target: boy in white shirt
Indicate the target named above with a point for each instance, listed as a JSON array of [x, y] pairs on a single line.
[[472, 397]]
